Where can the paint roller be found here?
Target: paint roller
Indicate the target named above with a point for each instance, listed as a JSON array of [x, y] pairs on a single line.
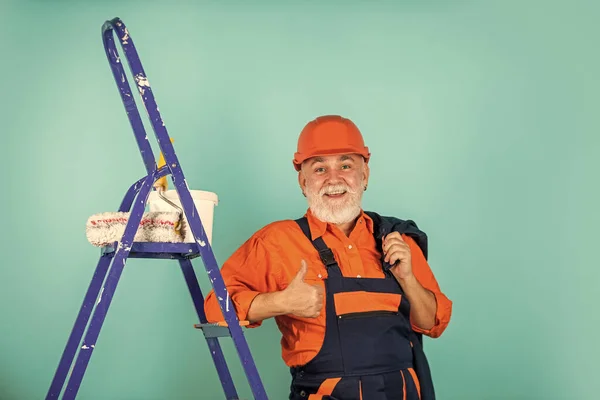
[[106, 228]]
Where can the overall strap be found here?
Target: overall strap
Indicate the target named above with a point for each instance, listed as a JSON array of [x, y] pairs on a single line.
[[333, 269]]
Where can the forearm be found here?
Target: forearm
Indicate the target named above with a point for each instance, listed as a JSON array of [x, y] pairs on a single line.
[[267, 305], [423, 304]]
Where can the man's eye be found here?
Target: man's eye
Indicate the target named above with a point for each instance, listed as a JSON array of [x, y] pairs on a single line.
[[321, 169], [346, 166]]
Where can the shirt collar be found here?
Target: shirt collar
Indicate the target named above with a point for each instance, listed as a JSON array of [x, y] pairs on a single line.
[[318, 227]]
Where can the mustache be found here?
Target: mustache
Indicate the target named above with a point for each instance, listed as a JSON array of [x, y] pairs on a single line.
[[336, 188]]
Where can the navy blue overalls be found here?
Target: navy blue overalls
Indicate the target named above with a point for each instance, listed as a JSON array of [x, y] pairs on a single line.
[[372, 355]]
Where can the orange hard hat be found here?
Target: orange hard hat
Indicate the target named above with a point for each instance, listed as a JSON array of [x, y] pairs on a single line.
[[328, 135]]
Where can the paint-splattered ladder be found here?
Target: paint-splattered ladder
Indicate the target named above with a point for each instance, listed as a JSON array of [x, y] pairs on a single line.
[[113, 258]]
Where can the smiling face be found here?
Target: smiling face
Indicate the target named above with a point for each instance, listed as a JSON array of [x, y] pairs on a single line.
[[334, 186]]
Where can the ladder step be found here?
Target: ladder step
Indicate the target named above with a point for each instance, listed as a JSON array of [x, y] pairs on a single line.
[[157, 250], [217, 329]]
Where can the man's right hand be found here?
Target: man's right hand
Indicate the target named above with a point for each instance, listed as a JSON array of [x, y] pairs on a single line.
[[299, 298], [303, 299]]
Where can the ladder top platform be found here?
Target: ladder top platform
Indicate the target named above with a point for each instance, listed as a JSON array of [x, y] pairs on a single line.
[[157, 250]]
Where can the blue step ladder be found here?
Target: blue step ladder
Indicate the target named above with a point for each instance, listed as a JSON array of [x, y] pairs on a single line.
[[113, 258]]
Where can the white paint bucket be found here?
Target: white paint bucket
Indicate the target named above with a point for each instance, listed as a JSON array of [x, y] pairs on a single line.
[[205, 203]]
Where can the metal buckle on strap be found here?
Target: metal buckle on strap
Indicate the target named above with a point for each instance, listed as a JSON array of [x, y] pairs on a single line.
[[327, 257]]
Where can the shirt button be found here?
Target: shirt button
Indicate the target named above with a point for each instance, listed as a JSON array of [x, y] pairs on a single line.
[[358, 276], [350, 246], [320, 276]]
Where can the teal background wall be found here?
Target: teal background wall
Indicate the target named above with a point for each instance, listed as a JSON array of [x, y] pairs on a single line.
[[482, 118]]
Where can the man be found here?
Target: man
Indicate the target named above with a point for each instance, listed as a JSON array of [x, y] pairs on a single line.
[[350, 291]]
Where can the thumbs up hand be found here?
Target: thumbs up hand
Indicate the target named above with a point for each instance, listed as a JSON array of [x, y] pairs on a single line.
[[303, 299]]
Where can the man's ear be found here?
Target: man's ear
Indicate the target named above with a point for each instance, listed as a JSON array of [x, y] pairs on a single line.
[[366, 173], [302, 181]]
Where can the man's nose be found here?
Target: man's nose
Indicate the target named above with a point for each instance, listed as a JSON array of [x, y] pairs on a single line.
[[333, 176]]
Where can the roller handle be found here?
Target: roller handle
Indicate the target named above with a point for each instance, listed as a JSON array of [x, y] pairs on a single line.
[[161, 184]]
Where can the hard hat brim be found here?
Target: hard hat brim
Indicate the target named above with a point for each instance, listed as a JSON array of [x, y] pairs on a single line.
[[300, 158]]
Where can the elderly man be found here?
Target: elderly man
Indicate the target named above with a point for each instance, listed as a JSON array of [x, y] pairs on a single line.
[[351, 291]]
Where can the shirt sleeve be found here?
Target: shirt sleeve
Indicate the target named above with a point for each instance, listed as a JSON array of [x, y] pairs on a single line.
[[425, 276], [251, 270]]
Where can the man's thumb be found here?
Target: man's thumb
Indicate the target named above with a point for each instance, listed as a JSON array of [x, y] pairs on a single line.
[[302, 272]]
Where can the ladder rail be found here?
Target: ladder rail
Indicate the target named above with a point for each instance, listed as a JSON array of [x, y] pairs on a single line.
[[72, 346], [100, 290], [127, 97], [108, 289], [213, 343], [145, 91]]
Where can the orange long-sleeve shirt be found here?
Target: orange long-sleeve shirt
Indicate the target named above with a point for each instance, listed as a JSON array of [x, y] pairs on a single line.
[[270, 259]]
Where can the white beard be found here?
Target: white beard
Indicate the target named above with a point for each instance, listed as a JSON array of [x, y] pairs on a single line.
[[340, 213]]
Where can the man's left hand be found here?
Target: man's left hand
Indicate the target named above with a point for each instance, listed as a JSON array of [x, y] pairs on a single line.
[[397, 254]]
